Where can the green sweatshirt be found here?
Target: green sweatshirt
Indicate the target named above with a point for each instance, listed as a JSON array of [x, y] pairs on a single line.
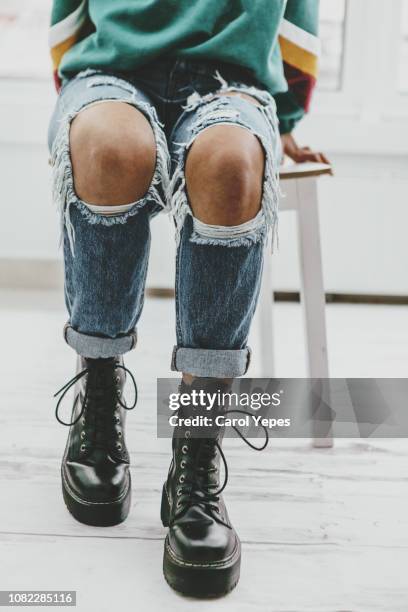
[[274, 39]]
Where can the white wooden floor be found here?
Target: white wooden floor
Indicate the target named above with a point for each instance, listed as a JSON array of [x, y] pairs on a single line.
[[321, 530]]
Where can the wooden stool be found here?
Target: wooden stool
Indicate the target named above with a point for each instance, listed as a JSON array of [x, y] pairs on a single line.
[[299, 186]]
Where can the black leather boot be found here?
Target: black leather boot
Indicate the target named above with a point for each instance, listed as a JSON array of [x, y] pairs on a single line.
[[95, 466], [202, 552]]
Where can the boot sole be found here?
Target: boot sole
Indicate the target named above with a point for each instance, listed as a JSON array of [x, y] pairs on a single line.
[[198, 580], [97, 514]]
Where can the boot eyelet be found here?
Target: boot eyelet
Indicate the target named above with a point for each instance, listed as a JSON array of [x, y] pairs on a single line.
[[179, 492], [183, 464], [184, 449], [83, 448], [118, 392], [83, 421], [178, 505], [119, 446], [182, 478], [82, 435], [117, 379], [119, 434], [187, 434]]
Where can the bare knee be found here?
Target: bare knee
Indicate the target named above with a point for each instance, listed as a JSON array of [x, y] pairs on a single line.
[[224, 175], [113, 154]]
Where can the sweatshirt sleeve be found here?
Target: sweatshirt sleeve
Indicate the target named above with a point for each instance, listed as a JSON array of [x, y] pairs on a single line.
[[67, 20], [300, 50]]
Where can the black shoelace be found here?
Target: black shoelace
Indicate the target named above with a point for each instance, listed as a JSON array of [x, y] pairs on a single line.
[[109, 397], [195, 491]]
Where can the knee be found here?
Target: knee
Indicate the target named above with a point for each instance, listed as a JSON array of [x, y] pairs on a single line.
[[224, 176], [113, 155]]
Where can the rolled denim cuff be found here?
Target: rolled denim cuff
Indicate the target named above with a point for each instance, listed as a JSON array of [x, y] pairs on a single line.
[[211, 363], [93, 347]]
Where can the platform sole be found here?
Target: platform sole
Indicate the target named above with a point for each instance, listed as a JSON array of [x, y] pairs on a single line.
[[106, 514], [201, 581], [207, 580]]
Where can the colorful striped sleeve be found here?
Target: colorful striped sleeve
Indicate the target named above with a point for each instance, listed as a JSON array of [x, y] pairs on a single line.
[[67, 19], [300, 50]]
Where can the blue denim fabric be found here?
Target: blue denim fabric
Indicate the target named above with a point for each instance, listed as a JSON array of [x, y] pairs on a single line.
[[218, 268]]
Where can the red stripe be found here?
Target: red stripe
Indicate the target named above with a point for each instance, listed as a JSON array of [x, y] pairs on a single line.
[[57, 80], [300, 84]]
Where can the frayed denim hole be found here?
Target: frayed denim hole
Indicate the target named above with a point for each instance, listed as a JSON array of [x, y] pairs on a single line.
[[267, 105], [64, 194], [271, 188], [213, 110], [120, 218], [245, 235], [210, 111]]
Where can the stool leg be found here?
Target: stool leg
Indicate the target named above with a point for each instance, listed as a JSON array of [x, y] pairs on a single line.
[[312, 290], [265, 319]]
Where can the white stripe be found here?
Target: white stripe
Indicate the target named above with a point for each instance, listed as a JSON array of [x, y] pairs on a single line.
[[300, 37], [109, 210], [67, 27]]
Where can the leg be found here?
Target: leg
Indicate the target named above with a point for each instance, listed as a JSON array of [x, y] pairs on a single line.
[[107, 159], [112, 165], [225, 199], [224, 176], [109, 154], [224, 173]]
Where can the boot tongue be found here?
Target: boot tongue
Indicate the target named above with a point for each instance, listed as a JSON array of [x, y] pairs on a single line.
[[100, 368], [201, 439], [101, 376], [207, 385], [101, 401]]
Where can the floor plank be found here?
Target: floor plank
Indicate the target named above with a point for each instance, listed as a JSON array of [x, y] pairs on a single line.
[[322, 530]]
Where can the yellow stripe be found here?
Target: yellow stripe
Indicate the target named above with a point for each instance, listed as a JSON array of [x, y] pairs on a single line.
[[299, 58], [58, 51]]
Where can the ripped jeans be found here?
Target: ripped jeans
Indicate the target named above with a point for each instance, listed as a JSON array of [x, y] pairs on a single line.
[[218, 272]]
